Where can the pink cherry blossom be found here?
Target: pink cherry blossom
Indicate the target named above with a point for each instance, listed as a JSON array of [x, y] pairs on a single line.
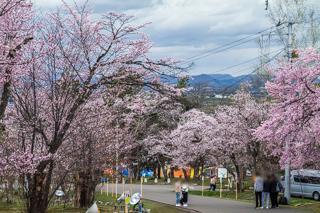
[[294, 116]]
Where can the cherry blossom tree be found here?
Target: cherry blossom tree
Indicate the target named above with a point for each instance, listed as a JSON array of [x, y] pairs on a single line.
[[294, 115], [235, 139], [80, 56], [96, 133], [160, 115], [17, 29], [192, 142]]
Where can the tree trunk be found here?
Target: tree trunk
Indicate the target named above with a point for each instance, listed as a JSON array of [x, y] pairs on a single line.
[[138, 171], [185, 174], [39, 186], [254, 167], [196, 172], [172, 172], [202, 168], [159, 171], [239, 177], [9, 190], [164, 170], [85, 184], [155, 171], [238, 172]]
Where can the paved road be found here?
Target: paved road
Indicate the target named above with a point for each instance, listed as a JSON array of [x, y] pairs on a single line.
[[165, 194]]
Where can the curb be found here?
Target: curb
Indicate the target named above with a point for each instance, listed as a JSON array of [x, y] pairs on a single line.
[[185, 209]]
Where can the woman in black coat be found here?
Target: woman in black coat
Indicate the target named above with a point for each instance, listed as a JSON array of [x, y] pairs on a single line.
[[273, 191]]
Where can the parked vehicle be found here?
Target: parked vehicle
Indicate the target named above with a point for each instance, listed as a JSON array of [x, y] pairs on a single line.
[[305, 183]]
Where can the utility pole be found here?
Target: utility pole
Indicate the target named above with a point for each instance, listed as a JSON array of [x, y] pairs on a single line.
[[287, 194], [117, 157], [117, 169]]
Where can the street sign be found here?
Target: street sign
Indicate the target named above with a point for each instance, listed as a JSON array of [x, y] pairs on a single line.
[[222, 173]]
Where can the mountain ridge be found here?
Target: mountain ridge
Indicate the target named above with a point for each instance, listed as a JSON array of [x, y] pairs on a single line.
[[227, 83]]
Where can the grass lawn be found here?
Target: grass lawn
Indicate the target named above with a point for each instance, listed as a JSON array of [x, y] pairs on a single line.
[[245, 196], [305, 204], [154, 206]]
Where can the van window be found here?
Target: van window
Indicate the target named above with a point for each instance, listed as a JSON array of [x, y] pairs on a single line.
[[314, 180], [301, 179], [297, 178]]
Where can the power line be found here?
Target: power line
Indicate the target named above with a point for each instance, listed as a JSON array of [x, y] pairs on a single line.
[[245, 62], [228, 45], [201, 56], [256, 69]]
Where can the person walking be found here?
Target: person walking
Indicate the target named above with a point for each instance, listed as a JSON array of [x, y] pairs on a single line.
[[266, 193], [279, 188], [258, 188], [213, 182], [178, 193]]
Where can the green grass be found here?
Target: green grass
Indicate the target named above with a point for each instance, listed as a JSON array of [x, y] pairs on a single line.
[[16, 206], [148, 204], [304, 204], [154, 206], [244, 196], [247, 182]]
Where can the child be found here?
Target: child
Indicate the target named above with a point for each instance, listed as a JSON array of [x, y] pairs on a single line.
[[178, 192], [184, 191]]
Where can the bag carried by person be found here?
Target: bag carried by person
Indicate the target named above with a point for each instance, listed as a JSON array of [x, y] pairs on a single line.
[[279, 187], [283, 200]]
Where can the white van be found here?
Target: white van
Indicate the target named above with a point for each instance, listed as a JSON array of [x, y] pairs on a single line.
[[306, 183]]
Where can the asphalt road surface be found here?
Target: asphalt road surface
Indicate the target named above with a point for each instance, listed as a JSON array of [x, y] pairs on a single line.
[[165, 194]]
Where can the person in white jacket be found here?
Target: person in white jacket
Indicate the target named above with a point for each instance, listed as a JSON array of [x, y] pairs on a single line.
[[258, 188]]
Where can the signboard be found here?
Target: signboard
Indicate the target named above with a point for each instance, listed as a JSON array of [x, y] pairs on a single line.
[[222, 173]]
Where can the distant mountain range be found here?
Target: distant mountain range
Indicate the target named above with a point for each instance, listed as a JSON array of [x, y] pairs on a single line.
[[225, 83]]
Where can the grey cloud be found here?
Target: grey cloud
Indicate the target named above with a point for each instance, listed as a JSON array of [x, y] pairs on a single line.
[[183, 28]]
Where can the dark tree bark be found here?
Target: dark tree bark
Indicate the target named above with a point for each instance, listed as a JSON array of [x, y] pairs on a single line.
[[164, 170], [171, 172], [39, 186], [238, 172], [185, 174], [196, 172], [85, 185], [159, 171], [155, 170], [202, 167]]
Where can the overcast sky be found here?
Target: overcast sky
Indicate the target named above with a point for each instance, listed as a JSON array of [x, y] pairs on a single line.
[[184, 28]]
